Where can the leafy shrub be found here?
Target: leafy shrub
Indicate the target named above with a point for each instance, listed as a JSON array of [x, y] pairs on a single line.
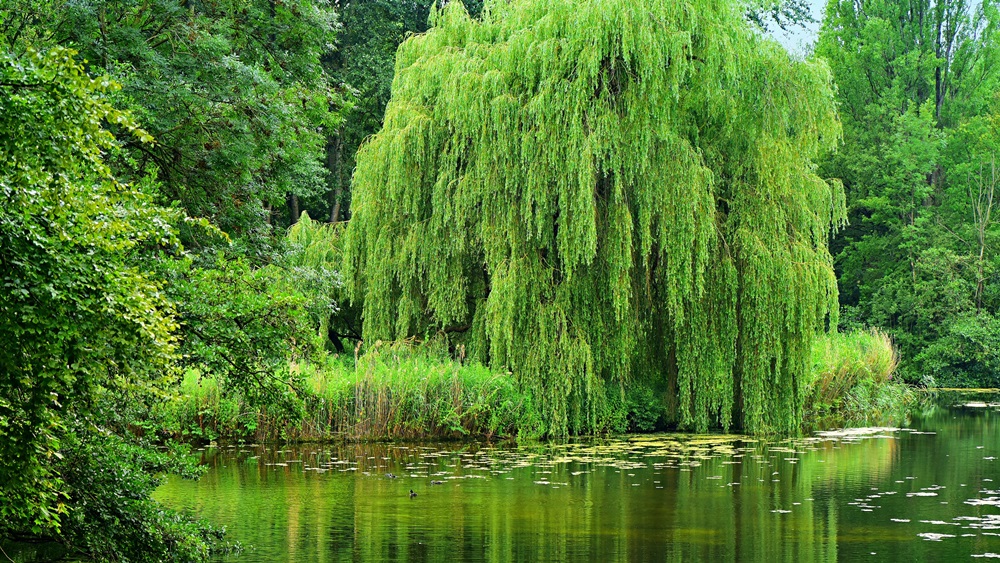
[[645, 409], [109, 515], [242, 325]]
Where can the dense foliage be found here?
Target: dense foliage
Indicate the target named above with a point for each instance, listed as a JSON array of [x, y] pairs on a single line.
[[85, 327], [101, 303], [917, 84], [75, 312], [598, 190], [286, 219], [108, 483], [233, 92], [241, 325]]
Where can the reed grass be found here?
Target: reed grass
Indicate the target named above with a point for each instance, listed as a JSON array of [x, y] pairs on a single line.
[[408, 394], [399, 392], [406, 391], [853, 381]]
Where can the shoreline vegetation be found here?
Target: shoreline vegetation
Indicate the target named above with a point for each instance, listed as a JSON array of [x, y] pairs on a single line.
[[403, 391], [856, 382], [529, 219]]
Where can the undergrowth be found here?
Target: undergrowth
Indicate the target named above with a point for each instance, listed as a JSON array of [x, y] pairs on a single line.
[[853, 381], [403, 391], [396, 392]]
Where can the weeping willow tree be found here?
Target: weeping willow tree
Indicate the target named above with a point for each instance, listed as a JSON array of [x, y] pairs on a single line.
[[592, 191], [311, 265]]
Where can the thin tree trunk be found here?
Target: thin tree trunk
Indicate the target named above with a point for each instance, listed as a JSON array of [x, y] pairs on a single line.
[[293, 208], [938, 48], [103, 18], [333, 157], [982, 212]]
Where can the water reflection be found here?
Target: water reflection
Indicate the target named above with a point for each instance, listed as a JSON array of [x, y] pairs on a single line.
[[925, 492]]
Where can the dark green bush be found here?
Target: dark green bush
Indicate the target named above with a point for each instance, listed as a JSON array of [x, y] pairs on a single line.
[[109, 514], [645, 409]]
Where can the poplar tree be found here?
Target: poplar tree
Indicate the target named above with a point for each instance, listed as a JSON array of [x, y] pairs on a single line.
[[589, 192]]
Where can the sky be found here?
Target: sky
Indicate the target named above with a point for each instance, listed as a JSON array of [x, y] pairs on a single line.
[[799, 39]]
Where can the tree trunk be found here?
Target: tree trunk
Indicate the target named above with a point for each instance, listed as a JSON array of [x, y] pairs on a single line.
[[938, 79], [333, 162], [293, 208], [982, 214]]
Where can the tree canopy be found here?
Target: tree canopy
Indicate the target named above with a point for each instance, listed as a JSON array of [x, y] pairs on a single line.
[[77, 312], [588, 192], [234, 93], [917, 87]]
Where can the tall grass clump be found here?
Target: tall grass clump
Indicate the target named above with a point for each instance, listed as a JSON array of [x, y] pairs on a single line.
[[405, 391], [396, 391], [852, 381]]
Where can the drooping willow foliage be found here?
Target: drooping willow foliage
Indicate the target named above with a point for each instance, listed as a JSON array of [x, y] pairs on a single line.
[[311, 262], [591, 191], [313, 243]]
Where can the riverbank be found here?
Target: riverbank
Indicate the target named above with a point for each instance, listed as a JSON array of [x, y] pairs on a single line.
[[405, 392]]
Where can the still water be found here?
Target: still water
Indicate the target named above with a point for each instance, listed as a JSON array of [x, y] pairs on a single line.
[[927, 492]]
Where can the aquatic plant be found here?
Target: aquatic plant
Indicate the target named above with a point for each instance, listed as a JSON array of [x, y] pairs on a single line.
[[852, 381], [393, 392], [587, 192]]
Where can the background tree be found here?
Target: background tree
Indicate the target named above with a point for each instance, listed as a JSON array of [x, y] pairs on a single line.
[[234, 93], [363, 64], [782, 13], [915, 80]]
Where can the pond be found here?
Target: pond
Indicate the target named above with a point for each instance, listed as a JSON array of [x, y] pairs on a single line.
[[930, 491]]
